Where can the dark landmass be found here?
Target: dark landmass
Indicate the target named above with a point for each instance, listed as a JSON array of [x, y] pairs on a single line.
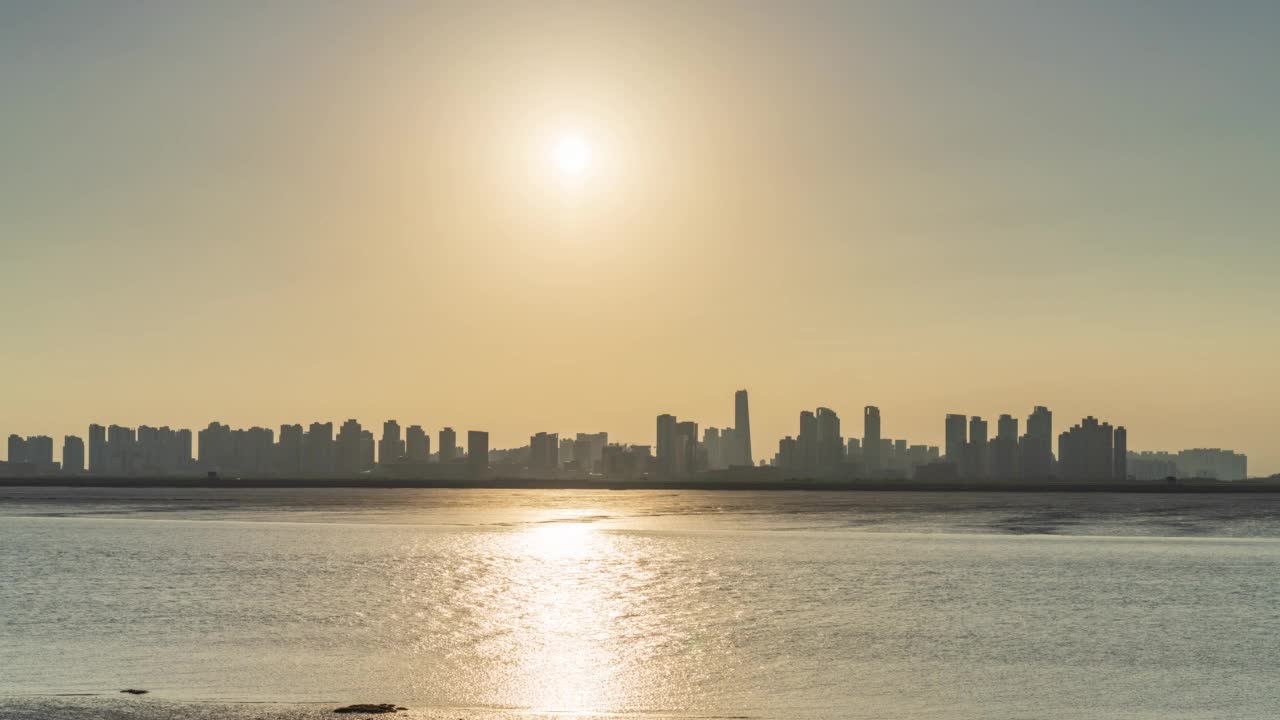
[[371, 709], [1269, 485]]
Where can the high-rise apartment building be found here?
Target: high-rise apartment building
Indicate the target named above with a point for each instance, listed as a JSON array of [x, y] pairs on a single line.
[[871, 456], [97, 449], [448, 445], [72, 455], [830, 444], [1004, 449], [417, 444], [348, 449], [957, 438], [1035, 452], [742, 430], [976, 461], [319, 455], [289, 452], [1120, 454], [477, 454], [390, 447], [1086, 451]]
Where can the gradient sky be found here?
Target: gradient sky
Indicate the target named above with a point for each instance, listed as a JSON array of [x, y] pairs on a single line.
[[284, 212]]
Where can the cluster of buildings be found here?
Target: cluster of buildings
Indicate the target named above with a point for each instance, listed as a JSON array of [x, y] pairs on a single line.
[[1189, 464], [1091, 450], [820, 451], [118, 451]]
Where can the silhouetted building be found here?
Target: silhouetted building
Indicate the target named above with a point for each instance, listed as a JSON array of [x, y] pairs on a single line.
[[1085, 451], [17, 449], [1004, 449], [830, 445], [350, 455], [1120, 453], [686, 448], [668, 445], [120, 450], [477, 454], [1035, 452], [957, 438], [289, 451], [97, 449], [1212, 463], [417, 444], [319, 456], [367, 461], [1152, 465], [625, 461], [742, 431], [390, 446], [872, 459], [161, 451], [715, 450], [544, 452], [448, 445], [853, 452], [975, 466], [72, 454], [787, 458], [596, 443], [807, 443]]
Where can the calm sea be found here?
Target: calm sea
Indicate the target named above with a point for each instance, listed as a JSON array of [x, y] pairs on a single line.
[[476, 603]]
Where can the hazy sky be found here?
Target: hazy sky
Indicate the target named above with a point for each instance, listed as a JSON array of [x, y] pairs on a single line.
[[287, 211]]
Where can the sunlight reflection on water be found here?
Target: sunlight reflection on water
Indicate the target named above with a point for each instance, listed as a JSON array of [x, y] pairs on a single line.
[[564, 606]]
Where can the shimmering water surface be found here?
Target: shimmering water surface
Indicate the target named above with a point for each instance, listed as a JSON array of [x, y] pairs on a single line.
[[468, 603]]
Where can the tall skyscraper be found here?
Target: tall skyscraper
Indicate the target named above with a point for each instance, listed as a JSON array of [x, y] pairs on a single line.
[[786, 460], [120, 450], [1035, 456], [390, 447], [72, 454], [367, 459], [742, 428], [667, 441], [350, 458], [477, 454], [957, 439], [976, 455], [448, 445], [417, 444], [289, 451], [1120, 454], [1004, 449], [807, 444], [185, 447], [871, 459], [716, 455], [830, 445], [318, 452], [97, 449], [686, 448]]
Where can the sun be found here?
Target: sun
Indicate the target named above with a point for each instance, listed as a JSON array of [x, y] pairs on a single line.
[[572, 156]]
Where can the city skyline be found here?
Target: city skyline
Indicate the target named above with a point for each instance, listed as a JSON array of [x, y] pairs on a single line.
[[1091, 450], [368, 214]]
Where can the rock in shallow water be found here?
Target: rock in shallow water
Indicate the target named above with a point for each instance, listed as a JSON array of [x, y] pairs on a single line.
[[371, 709], [135, 691]]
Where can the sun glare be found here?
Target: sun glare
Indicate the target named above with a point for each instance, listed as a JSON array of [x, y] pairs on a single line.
[[572, 156]]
